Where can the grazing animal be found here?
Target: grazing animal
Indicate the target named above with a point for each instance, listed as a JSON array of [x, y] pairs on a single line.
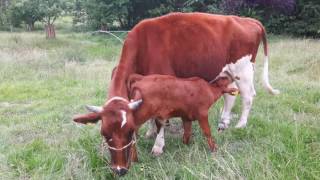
[[184, 45], [162, 97]]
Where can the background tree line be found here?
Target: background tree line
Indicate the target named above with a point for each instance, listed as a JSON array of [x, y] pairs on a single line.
[[296, 17]]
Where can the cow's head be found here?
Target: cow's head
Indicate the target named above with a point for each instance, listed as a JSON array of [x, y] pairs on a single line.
[[117, 128]]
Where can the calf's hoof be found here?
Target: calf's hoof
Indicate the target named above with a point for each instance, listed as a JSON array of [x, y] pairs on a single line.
[[214, 149], [156, 151]]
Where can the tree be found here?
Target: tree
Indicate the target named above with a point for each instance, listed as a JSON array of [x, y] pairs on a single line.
[[51, 10], [26, 11], [102, 13]]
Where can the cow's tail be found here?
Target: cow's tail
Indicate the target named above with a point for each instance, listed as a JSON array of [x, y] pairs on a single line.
[[265, 74]]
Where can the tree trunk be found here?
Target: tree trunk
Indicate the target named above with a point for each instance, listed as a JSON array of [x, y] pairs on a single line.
[[50, 31], [103, 27], [30, 26]]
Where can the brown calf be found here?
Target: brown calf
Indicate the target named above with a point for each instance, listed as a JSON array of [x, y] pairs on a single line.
[[165, 96]]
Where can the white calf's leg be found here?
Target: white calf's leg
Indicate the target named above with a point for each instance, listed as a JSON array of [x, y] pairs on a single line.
[[157, 148], [226, 112], [152, 129]]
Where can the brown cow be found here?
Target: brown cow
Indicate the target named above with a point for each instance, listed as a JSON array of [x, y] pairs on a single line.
[[186, 45], [162, 97]]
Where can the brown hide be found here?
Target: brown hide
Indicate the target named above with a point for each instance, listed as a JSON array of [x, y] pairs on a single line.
[[186, 45], [166, 96]]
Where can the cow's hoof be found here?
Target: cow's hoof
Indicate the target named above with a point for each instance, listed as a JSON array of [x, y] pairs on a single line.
[[222, 126], [220, 130], [241, 125], [156, 151]]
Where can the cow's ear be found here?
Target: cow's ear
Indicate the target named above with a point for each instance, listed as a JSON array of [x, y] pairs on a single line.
[[231, 91], [87, 118]]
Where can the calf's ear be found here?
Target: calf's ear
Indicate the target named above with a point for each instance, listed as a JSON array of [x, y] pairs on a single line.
[[87, 118], [231, 91]]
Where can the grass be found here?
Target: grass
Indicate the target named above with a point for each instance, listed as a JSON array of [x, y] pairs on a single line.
[[43, 83]]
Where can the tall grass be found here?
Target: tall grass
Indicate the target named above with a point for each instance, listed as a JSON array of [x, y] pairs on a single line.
[[43, 83]]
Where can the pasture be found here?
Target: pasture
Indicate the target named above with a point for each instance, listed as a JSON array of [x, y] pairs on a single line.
[[43, 83]]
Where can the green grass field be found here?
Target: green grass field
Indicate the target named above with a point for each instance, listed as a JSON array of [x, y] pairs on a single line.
[[43, 83]]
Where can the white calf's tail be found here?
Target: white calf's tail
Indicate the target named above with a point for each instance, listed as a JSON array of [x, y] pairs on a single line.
[[265, 78]]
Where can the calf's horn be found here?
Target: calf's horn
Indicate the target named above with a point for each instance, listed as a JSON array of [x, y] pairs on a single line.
[[95, 109], [135, 104]]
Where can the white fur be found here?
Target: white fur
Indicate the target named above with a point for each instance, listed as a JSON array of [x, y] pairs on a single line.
[[157, 148], [226, 112], [244, 69], [265, 78], [124, 117]]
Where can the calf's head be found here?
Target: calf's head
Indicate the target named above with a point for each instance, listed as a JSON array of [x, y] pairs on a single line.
[[117, 128], [222, 83]]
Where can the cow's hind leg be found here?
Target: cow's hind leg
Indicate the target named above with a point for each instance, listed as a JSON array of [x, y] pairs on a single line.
[[226, 112], [247, 92]]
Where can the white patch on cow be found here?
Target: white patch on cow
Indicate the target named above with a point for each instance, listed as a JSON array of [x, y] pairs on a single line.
[[265, 78], [244, 69], [116, 98], [124, 117], [110, 140], [118, 168], [240, 67], [226, 112], [157, 148]]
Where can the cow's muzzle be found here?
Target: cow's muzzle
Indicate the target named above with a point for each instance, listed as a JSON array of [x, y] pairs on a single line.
[[120, 171]]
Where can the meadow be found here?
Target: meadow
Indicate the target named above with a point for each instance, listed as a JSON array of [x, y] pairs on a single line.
[[43, 83]]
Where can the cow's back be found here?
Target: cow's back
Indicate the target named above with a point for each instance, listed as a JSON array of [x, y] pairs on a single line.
[[193, 44]]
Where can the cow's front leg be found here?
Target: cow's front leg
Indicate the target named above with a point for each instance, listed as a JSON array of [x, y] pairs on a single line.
[[226, 112], [158, 146]]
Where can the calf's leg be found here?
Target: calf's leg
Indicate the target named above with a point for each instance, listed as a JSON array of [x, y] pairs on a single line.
[[204, 125], [187, 126], [157, 148], [152, 129]]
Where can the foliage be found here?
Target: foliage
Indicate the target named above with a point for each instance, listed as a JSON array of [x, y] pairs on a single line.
[[27, 11]]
